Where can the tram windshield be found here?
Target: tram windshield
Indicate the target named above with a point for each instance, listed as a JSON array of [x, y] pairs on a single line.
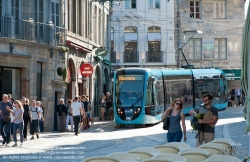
[[129, 90]]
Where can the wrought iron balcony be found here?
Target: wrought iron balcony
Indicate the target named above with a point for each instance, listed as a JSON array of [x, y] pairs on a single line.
[[113, 56], [32, 31], [154, 56], [130, 57]]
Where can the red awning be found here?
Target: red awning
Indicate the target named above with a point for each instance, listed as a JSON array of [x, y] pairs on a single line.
[[69, 43]]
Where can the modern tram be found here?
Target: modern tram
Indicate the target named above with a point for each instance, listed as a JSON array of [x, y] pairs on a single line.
[[141, 95]]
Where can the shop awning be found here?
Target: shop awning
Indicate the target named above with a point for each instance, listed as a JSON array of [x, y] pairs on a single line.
[[154, 36], [130, 37], [107, 62], [232, 74], [72, 44]]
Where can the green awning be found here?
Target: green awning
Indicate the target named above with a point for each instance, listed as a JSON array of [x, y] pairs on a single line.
[[98, 58], [232, 74], [107, 62], [101, 52]]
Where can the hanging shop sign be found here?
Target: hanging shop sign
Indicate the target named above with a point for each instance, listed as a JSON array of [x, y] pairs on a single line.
[[86, 70]]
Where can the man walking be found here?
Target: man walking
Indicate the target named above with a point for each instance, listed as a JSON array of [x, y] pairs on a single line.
[[76, 110], [239, 94], [62, 113], [232, 93], [210, 118], [5, 119]]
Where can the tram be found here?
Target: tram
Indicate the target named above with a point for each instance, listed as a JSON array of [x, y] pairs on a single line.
[[141, 95]]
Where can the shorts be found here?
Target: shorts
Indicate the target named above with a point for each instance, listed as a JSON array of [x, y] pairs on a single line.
[[88, 115], [204, 137], [103, 109]]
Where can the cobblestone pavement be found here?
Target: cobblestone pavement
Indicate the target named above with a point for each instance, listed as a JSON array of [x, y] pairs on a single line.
[[103, 138]]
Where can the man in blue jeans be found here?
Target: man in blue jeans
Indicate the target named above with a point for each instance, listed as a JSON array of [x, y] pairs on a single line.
[[5, 124]]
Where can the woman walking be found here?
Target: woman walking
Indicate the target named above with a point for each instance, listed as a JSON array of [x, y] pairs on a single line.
[[35, 113], [18, 121], [176, 116], [103, 106]]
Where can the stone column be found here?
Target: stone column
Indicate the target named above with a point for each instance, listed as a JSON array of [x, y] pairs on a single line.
[[76, 14]]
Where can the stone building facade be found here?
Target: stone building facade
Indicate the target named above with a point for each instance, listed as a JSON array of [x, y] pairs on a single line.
[[219, 45], [142, 34], [40, 55]]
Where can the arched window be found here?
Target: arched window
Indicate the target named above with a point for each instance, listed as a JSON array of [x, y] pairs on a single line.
[[130, 29], [154, 29]]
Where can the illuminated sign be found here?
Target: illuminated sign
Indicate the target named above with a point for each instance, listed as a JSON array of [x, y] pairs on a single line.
[[129, 77]]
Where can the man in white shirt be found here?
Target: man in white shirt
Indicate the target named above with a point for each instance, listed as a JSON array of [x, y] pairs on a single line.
[[239, 94], [76, 111]]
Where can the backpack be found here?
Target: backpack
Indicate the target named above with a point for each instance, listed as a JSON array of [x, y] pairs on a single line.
[[195, 124]]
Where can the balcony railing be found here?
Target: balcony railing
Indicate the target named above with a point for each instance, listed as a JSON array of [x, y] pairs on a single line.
[[154, 56], [32, 31], [113, 56], [130, 57]]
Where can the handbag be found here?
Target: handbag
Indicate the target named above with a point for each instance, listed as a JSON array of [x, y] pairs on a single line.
[[166, 122], [6, 118]]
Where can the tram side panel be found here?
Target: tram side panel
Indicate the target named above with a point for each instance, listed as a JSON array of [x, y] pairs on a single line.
[[179, 86]]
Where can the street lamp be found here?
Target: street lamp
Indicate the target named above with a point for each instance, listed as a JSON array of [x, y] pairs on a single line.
[[188, 66]]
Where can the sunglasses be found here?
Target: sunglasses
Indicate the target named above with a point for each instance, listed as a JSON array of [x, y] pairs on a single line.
[[177, 103], [206, 100]]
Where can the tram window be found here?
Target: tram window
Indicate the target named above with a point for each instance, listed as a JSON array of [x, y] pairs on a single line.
[[159, 92], [150, 97]]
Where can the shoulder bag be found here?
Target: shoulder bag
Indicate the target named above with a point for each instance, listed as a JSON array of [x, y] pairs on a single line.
[[166, 122]]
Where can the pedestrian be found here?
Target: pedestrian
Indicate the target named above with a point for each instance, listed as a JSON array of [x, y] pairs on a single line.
[[239, 95], [34, 124], [76, 110], [232, 93], [109, 104], [41, 117], [88, 116], [62, 113], [103, 106], [176, 116], [69, 117], [26, 117], [18, 121], [210, 118], [5, 119], [85, 103], [11, 120]]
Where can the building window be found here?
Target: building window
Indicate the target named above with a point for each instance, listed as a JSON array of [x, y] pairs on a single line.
[[15, 12], [153, 3], [39, 81], [130, 29], [220, 48], [195, 49], [154, 29], [219, 9], [154, 46], [130, 4], [39, 20], [55, 12], [195, 9]]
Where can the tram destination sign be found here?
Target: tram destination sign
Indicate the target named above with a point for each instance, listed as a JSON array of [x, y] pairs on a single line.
[[129, 77]]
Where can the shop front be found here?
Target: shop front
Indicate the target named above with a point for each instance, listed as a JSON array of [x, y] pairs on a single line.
[[233, 77]]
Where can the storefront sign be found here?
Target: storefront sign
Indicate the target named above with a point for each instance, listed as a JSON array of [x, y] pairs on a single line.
[[234, 74], [86, 70], [101, 52]]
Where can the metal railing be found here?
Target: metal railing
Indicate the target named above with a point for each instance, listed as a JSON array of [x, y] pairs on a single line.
[[113, 57], [130, 57], [32, 31], [154, 56]]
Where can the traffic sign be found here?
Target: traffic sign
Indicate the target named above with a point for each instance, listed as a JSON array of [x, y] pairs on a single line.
[[86, 70]]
